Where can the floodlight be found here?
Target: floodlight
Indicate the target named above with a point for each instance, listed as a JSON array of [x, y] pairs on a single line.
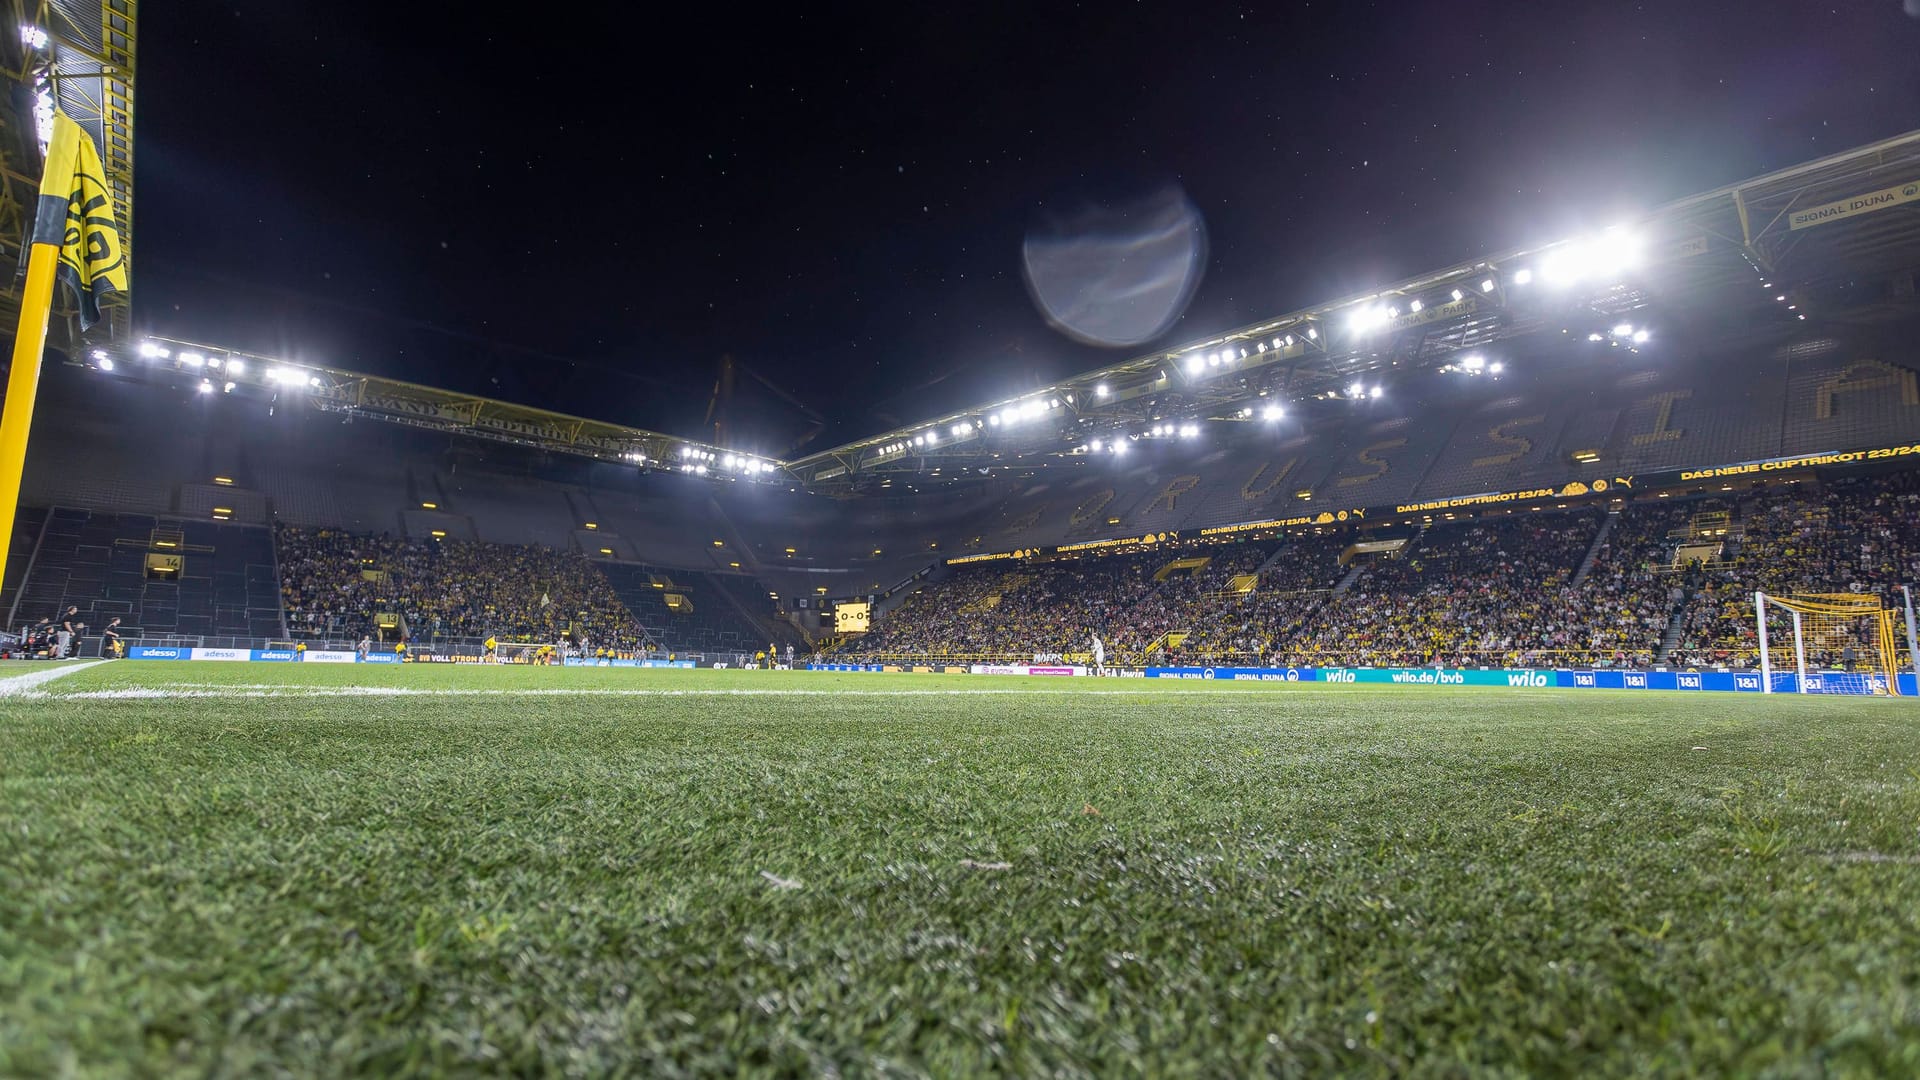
[[1213, 359], [1497, 367], [1474, 362], [206, 387], [1415, 307], [314, 381], [1094, 446], [994, 420], [192, 359], [151, 351], [1195, 363], [1522, 277], [1119, 448], [213, 362], [1100, 391], [1272, 412], [1595, 336], [1375, 392], [229, 388], [1313, 334], [105, 362], [1356, 390], [700, 470], [1486, 285], [1289, 337], [1458, 295], [1624, 329], [236, 367]]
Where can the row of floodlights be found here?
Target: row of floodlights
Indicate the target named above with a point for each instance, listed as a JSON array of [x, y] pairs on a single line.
[[1200, 361], [1599, 259], [229, 366], [696, 460], [1623, 332]]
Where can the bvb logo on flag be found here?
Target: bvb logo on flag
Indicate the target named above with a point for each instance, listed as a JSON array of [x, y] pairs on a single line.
[[75, 214], [90, 248]]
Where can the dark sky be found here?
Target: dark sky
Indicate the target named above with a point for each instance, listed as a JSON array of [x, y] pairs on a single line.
[[585, 209]]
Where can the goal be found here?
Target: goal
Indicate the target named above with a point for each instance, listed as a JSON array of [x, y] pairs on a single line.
[[524, 652], [1826, 643]]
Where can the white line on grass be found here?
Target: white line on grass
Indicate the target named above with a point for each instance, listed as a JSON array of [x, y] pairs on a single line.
[[23, 685]]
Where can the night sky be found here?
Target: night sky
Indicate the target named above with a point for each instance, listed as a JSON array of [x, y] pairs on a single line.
[[585, 211]]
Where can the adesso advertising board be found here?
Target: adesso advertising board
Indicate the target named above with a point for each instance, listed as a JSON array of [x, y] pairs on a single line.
[[258, 656]]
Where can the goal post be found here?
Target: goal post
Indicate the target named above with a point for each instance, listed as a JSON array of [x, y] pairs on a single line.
[[1826, 643]]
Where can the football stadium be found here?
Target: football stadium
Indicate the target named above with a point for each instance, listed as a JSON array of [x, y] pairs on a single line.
[[1508, 669]]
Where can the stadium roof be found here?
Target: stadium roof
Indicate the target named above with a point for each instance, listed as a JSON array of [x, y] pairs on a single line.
[[1836, 237], [1810, 233], [80, 56]]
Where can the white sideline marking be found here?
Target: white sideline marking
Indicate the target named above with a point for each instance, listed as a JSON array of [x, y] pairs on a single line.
[[23, 685]]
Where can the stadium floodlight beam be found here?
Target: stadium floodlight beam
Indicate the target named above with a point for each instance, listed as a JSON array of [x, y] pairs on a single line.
[[1355, 390], [1640, 337], [1375, 392], [1496, 367], [1522, 276], [1119, 447], [1474, 362], [1272, 412]]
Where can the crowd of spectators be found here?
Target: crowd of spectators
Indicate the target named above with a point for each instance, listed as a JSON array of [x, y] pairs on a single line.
[[1857, 536], [335, 583], [1054, 608], [1487, 592], [1494, 591]]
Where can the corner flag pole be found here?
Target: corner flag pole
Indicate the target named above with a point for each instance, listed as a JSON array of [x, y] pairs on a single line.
[[76, 244], [23, 384]]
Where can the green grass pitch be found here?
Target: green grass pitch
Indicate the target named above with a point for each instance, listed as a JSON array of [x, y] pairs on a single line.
[[217, 869]]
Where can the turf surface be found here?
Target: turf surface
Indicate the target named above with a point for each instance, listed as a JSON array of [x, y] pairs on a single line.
[[237, 868]]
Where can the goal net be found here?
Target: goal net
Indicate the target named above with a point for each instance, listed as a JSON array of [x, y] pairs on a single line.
[[525, 652], [1826, 643]]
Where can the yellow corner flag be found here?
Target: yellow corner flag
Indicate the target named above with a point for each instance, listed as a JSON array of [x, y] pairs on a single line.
[[76, 241], [76, 216]]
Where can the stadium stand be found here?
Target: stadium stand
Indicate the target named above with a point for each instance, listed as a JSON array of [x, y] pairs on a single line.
[[112, 565], [688, 612], [336, 585], [1493, 591], [1859, 536]]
